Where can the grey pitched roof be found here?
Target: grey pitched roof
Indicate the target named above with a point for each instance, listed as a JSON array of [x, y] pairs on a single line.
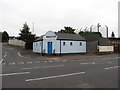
[[66, 36], [40, 38]]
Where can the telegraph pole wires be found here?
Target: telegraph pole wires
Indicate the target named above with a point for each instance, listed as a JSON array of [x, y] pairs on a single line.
[[91, 28]]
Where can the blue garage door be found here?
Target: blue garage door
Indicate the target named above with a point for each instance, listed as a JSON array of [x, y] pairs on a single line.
[[49, 47]]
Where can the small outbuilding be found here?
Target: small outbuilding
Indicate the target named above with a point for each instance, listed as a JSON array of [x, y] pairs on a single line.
[[59, 43]]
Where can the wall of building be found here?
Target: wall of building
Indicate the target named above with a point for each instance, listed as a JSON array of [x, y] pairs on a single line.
[[16, 42], [74, 48], [37, 46], [55, 45], [67, 48]]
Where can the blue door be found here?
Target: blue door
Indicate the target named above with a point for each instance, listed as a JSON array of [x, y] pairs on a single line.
[[49, 47]]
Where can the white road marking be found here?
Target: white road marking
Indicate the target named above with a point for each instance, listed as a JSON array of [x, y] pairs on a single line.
[[31, 68], [110, 58], [111, 67], [103, 59], [57, 60], [45, 61], [44, 67], [5, 55], [52, 66], [20, 55], [37, 61], [110, 62], [29, 62], [5, 52], [9, 74], [63, 60], [84, 63], [20, 62], [11, 48], [58, 76], [93, 63], [1, 61], [88, 63], [13, 63], [50, 61]]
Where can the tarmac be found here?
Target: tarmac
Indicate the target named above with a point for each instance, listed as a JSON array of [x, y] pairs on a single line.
[[87, 56]]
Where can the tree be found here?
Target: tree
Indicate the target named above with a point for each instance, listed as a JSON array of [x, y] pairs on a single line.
[[113, 35], [90, 33], [27, 36], [67, 30], [5, 37]]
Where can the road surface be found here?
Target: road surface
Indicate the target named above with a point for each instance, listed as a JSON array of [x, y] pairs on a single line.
[[21, 72]]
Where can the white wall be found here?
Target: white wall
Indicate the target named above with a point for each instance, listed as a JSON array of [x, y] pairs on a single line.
[[55, 45], [37, 47], [75, 48], [106, 48], [16, 42]]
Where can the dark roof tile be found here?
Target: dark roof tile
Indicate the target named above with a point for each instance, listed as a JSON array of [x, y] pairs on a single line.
[[66, 36]]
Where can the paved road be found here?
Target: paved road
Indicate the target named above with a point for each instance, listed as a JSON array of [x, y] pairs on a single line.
[[21, 72]]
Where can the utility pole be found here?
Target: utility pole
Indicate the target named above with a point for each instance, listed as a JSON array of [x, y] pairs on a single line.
[[85, 29], [76, 31], [98, 27], [33, 27], [80, 29], [106, 30], [91, 28]]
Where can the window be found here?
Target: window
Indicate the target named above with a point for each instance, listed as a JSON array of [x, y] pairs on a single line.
[[80, 43], [36, 44], [63, 43], [71, 43], [40, 44]]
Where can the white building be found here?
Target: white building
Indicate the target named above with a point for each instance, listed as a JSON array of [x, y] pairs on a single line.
[[59, 43], [16, 42]]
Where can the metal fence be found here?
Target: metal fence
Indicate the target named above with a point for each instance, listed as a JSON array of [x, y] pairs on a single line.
[[92, 46]]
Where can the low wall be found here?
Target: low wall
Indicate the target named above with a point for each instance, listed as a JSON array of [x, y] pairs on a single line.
[[106, 48], [16, 42]]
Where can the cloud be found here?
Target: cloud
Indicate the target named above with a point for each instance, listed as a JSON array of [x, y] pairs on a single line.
[[55, 14]]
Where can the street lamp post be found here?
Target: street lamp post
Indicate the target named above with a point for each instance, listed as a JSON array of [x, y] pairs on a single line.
[[76, 31], [85, 29], [33, 28], [106, 30], [98, 26], [80, 29], [91, 28]]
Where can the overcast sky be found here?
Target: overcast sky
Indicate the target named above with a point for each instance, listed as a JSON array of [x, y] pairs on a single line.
[[55, 14]]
